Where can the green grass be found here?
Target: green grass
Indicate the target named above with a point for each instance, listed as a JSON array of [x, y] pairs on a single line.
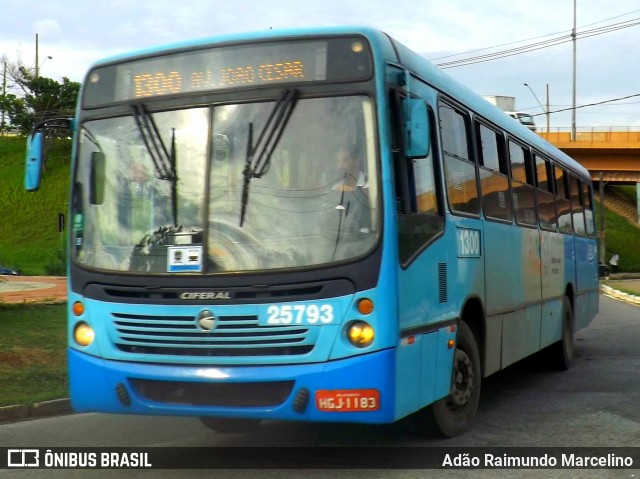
[[622, 238], [29, 237], [629, 287], [32, 353]]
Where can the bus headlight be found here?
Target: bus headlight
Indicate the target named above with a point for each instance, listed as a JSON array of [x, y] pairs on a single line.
[[360, 334], [83, 334]]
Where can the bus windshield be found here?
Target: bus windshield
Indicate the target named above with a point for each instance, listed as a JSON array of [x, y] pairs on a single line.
[[179, 191]]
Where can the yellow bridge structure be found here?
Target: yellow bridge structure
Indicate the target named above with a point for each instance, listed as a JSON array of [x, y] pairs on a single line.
[[611, 155]]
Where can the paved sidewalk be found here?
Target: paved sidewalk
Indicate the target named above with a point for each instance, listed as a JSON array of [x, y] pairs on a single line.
[[33, 289]]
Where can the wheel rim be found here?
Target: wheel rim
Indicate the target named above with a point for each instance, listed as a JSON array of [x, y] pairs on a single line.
[[463, 379]]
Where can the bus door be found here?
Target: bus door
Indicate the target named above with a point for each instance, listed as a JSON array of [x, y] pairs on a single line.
[[422, 264]]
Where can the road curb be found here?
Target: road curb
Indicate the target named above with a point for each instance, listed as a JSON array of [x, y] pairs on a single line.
[[54, 407], [614, 293]]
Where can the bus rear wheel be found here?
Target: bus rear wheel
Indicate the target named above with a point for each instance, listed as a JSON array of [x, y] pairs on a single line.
[[560, 354], [230, 424], [454, 414]]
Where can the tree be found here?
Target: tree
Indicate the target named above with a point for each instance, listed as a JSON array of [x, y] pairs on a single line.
[[39, 98]]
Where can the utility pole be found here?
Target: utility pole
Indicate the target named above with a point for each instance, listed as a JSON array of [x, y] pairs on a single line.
[[548, 112], [37, 59], [573, 103], [601, 233]]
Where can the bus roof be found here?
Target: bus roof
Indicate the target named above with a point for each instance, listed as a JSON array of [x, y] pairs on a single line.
[[387, 49], [475, 102]]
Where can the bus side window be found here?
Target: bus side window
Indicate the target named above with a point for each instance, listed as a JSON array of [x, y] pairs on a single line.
[[544, 194], [460, 169], [588, 209], [420, 217], [577, 208], [494, 182], [563, 203], [522, 181]]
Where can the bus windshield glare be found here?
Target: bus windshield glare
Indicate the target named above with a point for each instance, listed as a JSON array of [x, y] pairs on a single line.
[[169, 191]]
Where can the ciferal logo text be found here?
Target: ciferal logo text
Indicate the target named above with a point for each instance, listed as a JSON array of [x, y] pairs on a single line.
[[205, 295]]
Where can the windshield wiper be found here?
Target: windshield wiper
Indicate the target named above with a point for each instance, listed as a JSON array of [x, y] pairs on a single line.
[[164, 160], [258, 157]]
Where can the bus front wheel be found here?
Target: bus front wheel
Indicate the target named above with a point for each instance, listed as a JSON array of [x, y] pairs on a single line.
[[454, 414]]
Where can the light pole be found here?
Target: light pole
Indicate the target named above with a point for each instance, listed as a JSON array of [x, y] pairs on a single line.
[[48, 57], [38, 65], [544, 109]]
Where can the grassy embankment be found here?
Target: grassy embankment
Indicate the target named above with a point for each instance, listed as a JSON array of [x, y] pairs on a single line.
[[29, 237], [32, 353]]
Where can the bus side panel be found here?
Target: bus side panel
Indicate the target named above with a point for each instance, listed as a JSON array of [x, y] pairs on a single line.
[[586, 305], [422, 373], [513, 294], [433, 375], [504, 269], [520, 334], [553, 286]]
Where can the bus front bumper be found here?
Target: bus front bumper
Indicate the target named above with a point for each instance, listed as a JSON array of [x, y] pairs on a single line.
[[359, 389]]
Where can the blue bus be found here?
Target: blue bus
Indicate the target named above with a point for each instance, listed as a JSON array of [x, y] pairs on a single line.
[[311, 225]]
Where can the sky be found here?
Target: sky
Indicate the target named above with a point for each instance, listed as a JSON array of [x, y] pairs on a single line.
[[77, 33]]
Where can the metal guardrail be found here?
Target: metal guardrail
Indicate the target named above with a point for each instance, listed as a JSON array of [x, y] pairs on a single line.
[[612, 134]]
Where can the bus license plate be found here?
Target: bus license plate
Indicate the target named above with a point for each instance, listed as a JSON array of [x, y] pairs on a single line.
[[350, 400]]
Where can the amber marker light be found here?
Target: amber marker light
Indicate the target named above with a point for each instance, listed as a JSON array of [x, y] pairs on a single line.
[[451, 344], [360, 334], [78, 308], [83, 334], [365, 306]]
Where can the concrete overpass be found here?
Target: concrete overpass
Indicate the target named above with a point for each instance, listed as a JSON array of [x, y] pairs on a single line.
[[611, 155], [613, 152]]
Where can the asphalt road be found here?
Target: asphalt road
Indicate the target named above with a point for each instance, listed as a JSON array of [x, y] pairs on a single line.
[[594, 404]]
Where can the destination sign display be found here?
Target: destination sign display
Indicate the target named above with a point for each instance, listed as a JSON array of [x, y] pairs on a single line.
[[227, 67]]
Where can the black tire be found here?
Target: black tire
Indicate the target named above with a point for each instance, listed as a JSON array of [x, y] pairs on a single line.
[[230, 424], [454, 414], [560, 353]]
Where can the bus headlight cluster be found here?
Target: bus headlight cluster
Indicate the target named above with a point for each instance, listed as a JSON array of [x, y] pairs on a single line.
[[360, 334], [83, 334]]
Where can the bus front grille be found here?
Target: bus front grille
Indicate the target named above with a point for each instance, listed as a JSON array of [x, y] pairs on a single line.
[[259, 394], [232, 336]]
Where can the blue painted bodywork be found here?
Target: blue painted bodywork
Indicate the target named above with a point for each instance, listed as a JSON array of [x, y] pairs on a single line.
[[518, 276]]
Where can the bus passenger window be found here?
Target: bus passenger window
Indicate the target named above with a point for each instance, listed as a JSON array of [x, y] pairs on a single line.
[[588, 210], [544, 194], [494, 183], [460, 170], [522, 181], [577, 208], [563, 204]]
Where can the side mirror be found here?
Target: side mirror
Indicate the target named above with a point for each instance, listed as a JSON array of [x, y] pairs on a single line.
[[96, 193], [33, 162], [416, 128]]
